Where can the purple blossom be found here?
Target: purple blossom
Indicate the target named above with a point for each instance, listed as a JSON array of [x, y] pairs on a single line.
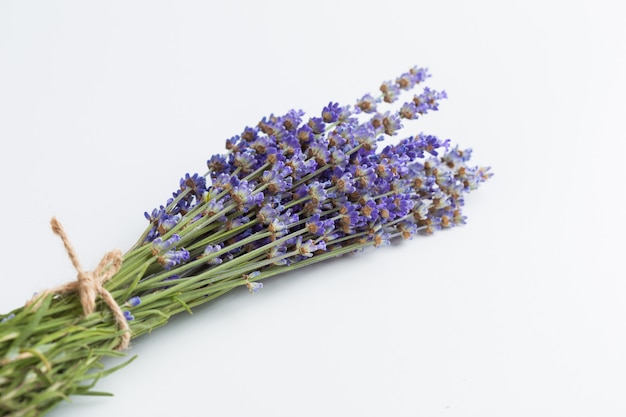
[[338, 158], [440, 199], [159, 245], [317, 125], [409, 111], [347, 116], [419, 74], [268, 125], [367, 135], [278, 228], [370, 210], [213, 207], [350, 218], [261, 145], [196, 183], [406, 81], [367, 104], [268, 212], [317, 192], [7, 318], [428, 100], [456, 157], [475, 176], [250, 134], [337, 138], [308, 247], [172, 258], [432, 143], [223, 181], [331, 112], [345, 184], [291, 120], [276, 252], [305, 134], [289, 146], [391, 124], [381, 239], [155, 216], [318, 150], [288, 217], [319, 227], [402, 205], [254, 287], [133, 301], [301, 165], [236, 222], [390, 91], [411, 78], [364, 176], [233, 143], [245, 161], [245, 197], [277, 178], [407, 229]]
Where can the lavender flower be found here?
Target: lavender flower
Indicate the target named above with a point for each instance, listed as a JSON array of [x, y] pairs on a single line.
[[172, 258], [245, 197], [254, 287], [133, 301], [159, 245], [7, 318], [367, 104], [208, 254], [330, 113], [308, 247], [245, 161]]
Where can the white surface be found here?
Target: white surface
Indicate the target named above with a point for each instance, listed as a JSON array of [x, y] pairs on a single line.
[[104, 105]]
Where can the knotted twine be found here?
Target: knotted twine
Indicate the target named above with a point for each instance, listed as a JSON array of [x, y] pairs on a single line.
[[89, 284]]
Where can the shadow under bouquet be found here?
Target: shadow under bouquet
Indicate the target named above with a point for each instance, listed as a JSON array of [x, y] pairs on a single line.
[[289, 192]]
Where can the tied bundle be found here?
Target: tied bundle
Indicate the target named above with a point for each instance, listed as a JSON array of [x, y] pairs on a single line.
[[290, 191]]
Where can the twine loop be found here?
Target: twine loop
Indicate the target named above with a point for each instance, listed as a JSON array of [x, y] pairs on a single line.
[[90, 284]]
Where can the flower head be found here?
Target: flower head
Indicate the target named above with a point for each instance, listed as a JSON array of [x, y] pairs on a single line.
[[331, 112], [254, 287], [133, 301], [172, 258]]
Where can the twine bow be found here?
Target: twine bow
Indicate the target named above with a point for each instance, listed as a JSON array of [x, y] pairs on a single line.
[[89, 284]]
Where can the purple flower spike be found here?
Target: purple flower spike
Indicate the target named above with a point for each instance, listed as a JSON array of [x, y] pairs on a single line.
[[317, 125], [307, 248], [254, 287], [195, 182], [367, 104], [245, 161], [317, 192], [158, 245], [133, 301], [208, 253], [172, 258], [330, 113], [390, 91], [245, 197]]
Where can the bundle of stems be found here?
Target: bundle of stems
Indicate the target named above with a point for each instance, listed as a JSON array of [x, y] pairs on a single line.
[[289, 192]]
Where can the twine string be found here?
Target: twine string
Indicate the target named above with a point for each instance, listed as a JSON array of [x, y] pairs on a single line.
[[90, 284]]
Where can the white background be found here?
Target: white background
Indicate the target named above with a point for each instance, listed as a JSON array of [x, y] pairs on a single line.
[[104, 105]]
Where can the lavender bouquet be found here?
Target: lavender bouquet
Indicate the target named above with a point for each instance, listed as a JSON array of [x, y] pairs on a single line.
[[290, 191]]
